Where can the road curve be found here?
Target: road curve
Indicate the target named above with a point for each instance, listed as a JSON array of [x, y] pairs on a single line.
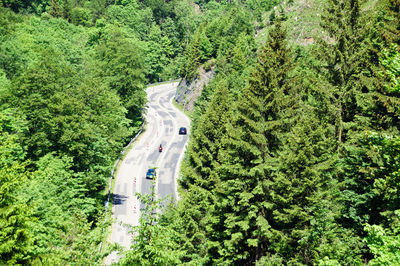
[[163, 123]]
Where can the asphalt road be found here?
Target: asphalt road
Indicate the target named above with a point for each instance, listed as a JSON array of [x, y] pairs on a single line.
[[163, 123]]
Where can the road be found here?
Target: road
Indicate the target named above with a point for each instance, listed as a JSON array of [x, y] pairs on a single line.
[[163, 123]]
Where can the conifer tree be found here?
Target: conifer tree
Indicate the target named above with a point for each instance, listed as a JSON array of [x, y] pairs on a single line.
[[206, 142], [361, 102], [301, 182], [242, 205], [389, 21], [55, 9], [199, 176], [155, 240], [346, 59], [192, 57]]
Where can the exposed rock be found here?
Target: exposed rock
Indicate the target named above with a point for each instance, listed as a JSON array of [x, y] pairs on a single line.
[[187, 93]]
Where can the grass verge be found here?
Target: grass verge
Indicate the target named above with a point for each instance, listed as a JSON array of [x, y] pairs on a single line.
[[180, 108]]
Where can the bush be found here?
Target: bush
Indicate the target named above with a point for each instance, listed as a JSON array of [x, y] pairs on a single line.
[[209, 64], [81, 16]]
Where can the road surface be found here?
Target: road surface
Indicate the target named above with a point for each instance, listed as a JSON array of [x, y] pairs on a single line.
[[163, 123]]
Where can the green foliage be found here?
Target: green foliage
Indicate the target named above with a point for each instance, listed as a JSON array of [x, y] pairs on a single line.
[[132, 16], [122, 68], [192, 58], [390, 60], [155, 240], [389, 21], [156, 58], [21, 5], [260, 6], [81, 16], [55, 8], [241, 199], [346, 68], [59, 203], [384, 245], [60, 113], [15, 238], [279, 170], [204, 149], [185, 19]]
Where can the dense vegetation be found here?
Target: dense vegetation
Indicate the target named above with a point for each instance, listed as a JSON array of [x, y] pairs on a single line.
[[294, 153], [72, 79]]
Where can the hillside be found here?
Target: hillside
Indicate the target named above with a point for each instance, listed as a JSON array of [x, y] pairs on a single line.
[[294, 139]]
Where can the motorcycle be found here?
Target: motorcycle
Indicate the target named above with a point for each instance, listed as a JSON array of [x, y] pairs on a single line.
[[160, 149]]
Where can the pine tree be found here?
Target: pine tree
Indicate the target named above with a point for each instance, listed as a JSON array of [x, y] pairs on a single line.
[[206, 142], [55, 9], [346, 59], [198, 174], [242, 205], [192, 57], [362, 103]]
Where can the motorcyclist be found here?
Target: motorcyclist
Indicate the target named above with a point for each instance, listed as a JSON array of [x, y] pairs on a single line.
[[160, 148]]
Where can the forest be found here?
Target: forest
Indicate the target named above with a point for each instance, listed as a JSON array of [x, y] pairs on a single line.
[[294, 153]]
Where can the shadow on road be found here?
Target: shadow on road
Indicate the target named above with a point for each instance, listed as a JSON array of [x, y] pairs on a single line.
[[118, 199]]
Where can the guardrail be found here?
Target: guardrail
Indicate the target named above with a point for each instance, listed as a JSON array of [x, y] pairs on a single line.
[[107, 203], [119, 158], [163, 82]]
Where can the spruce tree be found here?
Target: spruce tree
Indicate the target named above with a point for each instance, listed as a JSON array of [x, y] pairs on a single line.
[[206, 142], [198, 174], [345, 54], [389, 21], [192, 57], [353, 69], [299, 188], [242, 204]]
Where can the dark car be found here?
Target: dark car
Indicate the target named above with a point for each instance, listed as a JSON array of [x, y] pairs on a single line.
[[151, 173], [182, 131]]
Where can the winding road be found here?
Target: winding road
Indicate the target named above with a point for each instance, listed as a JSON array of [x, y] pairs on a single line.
[[163, 123]]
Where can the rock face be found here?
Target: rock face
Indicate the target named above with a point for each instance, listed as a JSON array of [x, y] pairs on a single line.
[[187, 93]]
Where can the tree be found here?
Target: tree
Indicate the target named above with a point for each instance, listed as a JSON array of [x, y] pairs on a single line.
[[344, 59], [131, 16], [15, 238], [81, 16], [207, 141], [384, 245], [185, 18], [192, 58], [348, 64], [389, 22], [71, 117], [242, 205], [57, 196], [199, 177], [156, 243], [55, 8], [206, 48], [122, 67], [155, 59], [169, 30]]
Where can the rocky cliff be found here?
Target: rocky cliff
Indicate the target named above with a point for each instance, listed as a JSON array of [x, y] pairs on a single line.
[[187, 92]]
